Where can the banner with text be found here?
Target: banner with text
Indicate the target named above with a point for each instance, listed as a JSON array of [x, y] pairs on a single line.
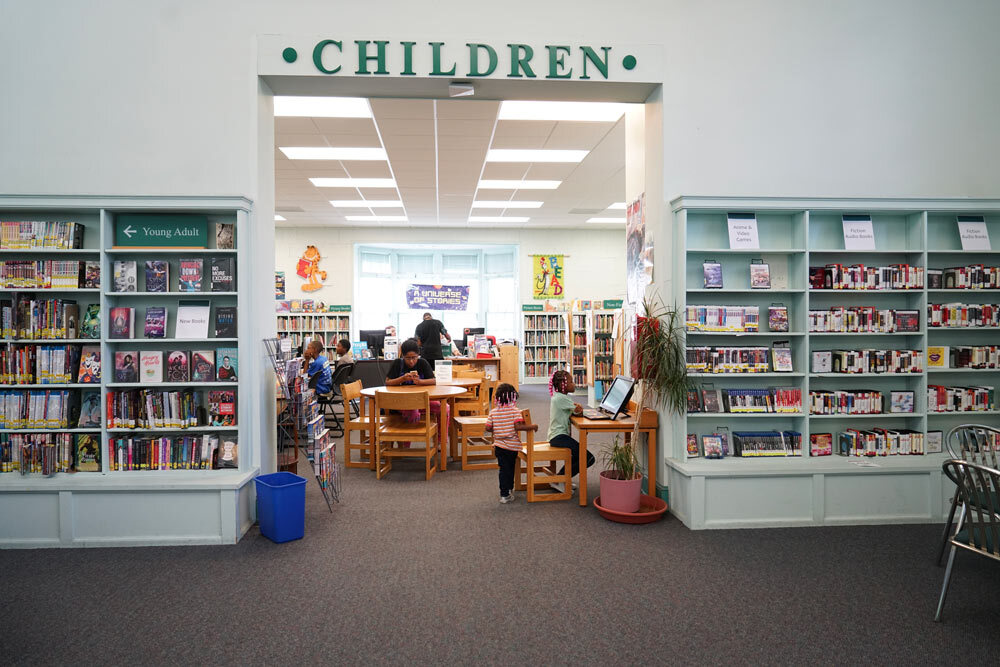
[[548, 275], [437, 297]]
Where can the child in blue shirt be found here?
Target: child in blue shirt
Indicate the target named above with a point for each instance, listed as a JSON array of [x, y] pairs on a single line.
[[319, 370]]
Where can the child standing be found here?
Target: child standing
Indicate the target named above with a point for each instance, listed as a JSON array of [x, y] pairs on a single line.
[[504, 421], [561, 408]]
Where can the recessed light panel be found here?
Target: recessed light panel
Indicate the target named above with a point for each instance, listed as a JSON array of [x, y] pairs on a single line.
[[332, 153], [279, 218], [531, 155], [581, 111], [322, 107], [617, 206]]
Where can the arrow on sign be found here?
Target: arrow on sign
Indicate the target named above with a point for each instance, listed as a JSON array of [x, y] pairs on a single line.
[[129, 231]]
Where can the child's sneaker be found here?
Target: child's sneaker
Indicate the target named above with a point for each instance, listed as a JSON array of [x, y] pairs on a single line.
[[558, 486], [507, 499]]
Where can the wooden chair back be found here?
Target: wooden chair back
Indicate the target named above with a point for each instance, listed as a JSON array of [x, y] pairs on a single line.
[[975, 443], [352, 392], [403, 400], [468, 373]]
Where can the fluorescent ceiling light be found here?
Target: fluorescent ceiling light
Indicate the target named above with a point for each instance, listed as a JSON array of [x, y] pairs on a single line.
[[331, 153], [501, 184], [586, 111], [496, 218], [532, 155], [507, 204], [378, 218], [620, 221], [322, 107], [353, 182], [366, 203], [278, 218], [617, 206]]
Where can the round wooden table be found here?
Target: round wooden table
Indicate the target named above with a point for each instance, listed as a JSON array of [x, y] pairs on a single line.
[[435, 392]]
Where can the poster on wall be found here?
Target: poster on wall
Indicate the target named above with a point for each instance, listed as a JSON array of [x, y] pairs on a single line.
[[548, 276], [308, 269], [279, 285], [638, 251], [437, 297]]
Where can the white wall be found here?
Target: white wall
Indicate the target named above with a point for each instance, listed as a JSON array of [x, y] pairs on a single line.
[[595, 266]]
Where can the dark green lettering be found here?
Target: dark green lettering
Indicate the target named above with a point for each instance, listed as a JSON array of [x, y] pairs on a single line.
[[474, 59], [408, 59], [557, 62], [591, 55], [363, 56], [436, 61], [318, 55], [520, 57]]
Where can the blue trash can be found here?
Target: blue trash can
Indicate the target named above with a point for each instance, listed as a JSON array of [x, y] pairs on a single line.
[[281, 506]]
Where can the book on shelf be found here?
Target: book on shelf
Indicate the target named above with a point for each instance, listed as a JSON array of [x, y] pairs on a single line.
[[185, 452], [41, 274], [91, 274], [90, 365], [29, 318], [122, 322], [156, 322], [821, 444], [228, 364], [190, 275], [845, 402], [225, 321], [711, 400], [934, 442], [781, 356], [192, 319], [963, 315], [90, 410], [125, 275], [178, 366], [282, 307], [157, 275], [90, 324], [203, 366], [223, 274], [705, 359], [712, 274], [863, 319], [941, 398], [712, 446], [37, 409], [229, 451], [822, 361], [901, 401], [693, 450], [225, 235], [87, 452], [740, 319], [723, 433], [151, 366], [880, 442], [935, 279], [31, 234], [777, 317], [154, 408], [760, 275], [222, 408], [767, 443], [126, 366], [693, 401], [938, 356]]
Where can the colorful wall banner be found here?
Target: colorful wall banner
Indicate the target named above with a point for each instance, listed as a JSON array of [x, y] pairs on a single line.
[[279, 285], [548, 276], [437, 297], [638, 251]]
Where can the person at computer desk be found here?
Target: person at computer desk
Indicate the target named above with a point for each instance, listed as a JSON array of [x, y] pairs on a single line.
[[344, 355], [411, 369], [561, 408], [318, 368], [429, 334]]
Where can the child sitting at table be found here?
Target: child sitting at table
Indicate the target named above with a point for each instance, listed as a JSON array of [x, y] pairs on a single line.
[[505, 421], [561, 408], [411, 369]]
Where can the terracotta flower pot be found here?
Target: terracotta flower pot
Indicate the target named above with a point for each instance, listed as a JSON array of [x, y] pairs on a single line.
[[620, 495]]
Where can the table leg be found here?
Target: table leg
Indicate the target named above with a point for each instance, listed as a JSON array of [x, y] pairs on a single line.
[[372, 458], [442, 457], [651, 463], [583, 467]]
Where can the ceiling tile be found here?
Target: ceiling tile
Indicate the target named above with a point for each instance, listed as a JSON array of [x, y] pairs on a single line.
[[524, 128], [358, 127], [519, 142], [294, 125], [393, 127], [402, 108], [575, 136], [473, 128], [467, 109], [505, 171], [362, 169], [351, 141], [422, 142]]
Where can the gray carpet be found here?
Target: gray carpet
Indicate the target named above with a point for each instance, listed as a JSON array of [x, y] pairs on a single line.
[[407, 571]]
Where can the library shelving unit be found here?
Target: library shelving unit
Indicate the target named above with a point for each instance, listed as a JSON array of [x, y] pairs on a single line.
[[580, 349], [794, 235], [603, 337], [332, 326], [546, 345], [141, 507]]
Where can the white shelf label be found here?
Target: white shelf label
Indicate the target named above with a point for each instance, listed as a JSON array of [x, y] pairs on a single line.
[[858, 232], [443, 371], [743, 231], [972, 230]]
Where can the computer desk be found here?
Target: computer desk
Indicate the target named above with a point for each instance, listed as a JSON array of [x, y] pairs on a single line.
[[626, 425]]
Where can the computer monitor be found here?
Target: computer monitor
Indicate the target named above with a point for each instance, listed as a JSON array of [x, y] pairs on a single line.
[[375, 339], [617, 396]]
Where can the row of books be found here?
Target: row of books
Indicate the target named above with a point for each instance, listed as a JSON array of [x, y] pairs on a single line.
[[286, 307], [963, 356], [545, 354], [861, 277], [579, 322], [604, 369], [580, 341], [204, 452], [746, 444], [867, 361], [39, 364], [314, 323], [972, 276], [846, 402], [147, 408], [748, 401], [544, 337], [29, 234], [36, 408], [755, 359], [604, 324], [157, 274], [963, 315], [544, 322], [39, 319], [49, 274], [543, 369], [863, 319], [737, 319], [191, 322], [579, 360], [959, 399], [152, 366], [49, 453], [604, 347], [881, 442]]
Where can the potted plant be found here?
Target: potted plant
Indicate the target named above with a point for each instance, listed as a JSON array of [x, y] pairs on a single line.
[[659, 366]]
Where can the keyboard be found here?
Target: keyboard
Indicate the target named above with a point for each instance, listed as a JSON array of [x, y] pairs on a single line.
[[594, 413]]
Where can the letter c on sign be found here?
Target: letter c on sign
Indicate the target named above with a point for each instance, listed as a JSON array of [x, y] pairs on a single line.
[[318, 55]]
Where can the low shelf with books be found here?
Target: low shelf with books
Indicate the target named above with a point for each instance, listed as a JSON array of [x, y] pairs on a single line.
[[546, 345]]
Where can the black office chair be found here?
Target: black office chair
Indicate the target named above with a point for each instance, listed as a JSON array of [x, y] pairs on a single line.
[[328, 402]]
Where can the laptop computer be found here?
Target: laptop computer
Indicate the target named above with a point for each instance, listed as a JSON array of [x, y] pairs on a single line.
[[615, 400]]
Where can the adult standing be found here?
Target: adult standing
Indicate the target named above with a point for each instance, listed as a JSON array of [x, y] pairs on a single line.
[[429, 334]]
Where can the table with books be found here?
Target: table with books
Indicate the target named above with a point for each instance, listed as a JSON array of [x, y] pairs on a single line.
[[626, 425]]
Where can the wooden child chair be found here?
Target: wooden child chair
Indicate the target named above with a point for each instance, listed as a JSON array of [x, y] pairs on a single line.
[[396, 429], [361, 424], [477, 450], [477, 401], [538, 463]]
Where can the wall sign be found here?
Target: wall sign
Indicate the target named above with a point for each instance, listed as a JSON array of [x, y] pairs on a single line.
[[437, 297], [743, 231], [547, 276], [339, 308], [531, 308], [858, 232], [308, 269], [973, 232], [161, 230]]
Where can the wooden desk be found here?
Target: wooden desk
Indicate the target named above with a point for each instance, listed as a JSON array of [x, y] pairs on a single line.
[[436, 392], [621, 425]]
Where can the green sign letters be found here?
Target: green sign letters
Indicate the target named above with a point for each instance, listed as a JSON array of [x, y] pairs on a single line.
[[161, 230]]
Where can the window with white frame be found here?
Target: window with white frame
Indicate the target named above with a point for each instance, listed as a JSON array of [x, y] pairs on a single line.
[[384, 273]]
